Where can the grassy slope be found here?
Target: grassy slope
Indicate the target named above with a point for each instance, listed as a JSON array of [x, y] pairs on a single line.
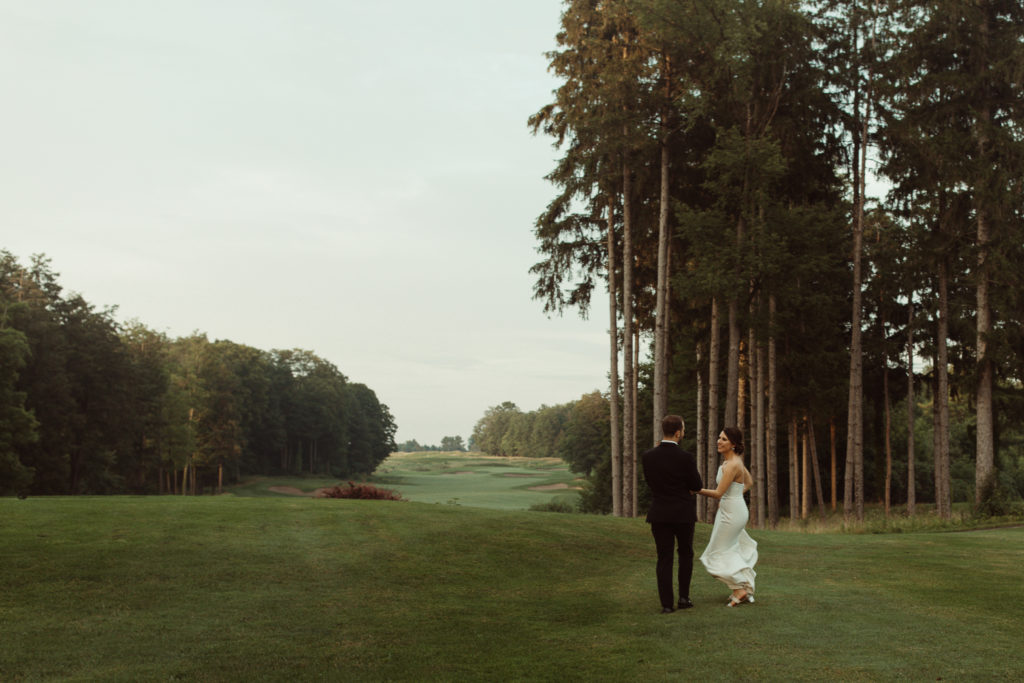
[[471, 479], [476, 479], [233, 588]]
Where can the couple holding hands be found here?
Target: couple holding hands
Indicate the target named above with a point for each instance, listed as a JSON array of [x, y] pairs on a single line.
[[671, 473]]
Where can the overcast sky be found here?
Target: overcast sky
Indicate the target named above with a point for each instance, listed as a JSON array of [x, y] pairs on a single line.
[[350, 177]]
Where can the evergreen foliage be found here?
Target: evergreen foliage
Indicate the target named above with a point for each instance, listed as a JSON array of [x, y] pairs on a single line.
[[773, 115]]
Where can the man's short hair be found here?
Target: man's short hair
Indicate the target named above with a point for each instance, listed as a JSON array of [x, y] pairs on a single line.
[[671, 424]]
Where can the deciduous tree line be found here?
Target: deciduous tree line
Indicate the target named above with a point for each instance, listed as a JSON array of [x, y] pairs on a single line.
[[91, 406], [448, 443], [576, 432], [714, 177]]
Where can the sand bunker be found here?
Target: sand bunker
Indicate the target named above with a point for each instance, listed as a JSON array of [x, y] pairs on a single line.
[[521, 474], [554, 487]]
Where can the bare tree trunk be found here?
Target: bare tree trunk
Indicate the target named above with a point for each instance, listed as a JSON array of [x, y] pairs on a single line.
[[759, 441], [628, 435], [733, 368], [853, 489], [751, 434], [701, 437], [853, 501], [888, 435], [220, 478], [984, 471], [911, 486], [937, 442], [661, 312], [613, 396], [794, 471], [816, 467], [743, 388], [635, 383], [805, 498], [712, 444], [942, 485], [773, 454], [832, 453]]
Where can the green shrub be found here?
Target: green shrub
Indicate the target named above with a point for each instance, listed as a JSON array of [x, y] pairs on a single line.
[[997, 499], [554, 506]]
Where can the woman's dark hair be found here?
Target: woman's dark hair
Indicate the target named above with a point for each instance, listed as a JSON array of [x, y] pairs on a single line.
[[736, 436]]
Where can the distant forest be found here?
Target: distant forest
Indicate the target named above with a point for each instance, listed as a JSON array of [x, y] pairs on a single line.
[[448, 444], [713, 179], [91, 406]]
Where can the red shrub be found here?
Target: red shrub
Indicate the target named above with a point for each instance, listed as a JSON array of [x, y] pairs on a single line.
[[359, 491]]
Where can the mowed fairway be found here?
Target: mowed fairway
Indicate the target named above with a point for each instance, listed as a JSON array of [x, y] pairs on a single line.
[[478, 480], [232, 588]]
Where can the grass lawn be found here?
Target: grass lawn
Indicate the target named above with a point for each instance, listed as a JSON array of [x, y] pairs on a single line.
[[478, 480], [264, 487], [470, 479], [246, 588]]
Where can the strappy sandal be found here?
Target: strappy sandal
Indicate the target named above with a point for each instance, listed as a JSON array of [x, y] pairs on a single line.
[[736, 602]]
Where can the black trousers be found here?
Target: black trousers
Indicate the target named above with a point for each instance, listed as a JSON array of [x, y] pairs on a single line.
[[666, 535]]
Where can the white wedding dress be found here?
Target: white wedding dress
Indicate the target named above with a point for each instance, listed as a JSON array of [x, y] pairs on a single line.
[[731, 553]]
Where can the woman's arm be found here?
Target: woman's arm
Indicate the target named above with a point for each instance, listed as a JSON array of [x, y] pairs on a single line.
[[728, 477]]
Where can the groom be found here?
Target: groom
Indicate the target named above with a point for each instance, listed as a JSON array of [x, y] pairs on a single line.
[[671, 473]]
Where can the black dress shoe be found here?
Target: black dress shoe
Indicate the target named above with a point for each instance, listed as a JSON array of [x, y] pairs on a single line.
[[667, 610], [684, 603]]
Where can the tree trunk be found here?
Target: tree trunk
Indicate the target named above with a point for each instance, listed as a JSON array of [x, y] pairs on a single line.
[[220, 478], [635, 384], [911, 486], [816, 467], [701, 437], [853, 502], [984, 471], [661, 313], [832, 453], [887, 411], [613, 395], [794, 471], [773, 455], [743, 388], [759, 440], [628, 436], [805, 476], [751, 434], [712, 445], [888, 435], [942, 485], [733, 368]]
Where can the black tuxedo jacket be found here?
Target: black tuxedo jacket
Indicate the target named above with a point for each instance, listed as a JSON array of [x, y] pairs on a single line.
[[671, 473]]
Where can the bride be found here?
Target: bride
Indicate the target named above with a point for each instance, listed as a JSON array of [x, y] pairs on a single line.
[[731, 553]]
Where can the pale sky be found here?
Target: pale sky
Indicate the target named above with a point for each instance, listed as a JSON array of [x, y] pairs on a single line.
[[355, 178]]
